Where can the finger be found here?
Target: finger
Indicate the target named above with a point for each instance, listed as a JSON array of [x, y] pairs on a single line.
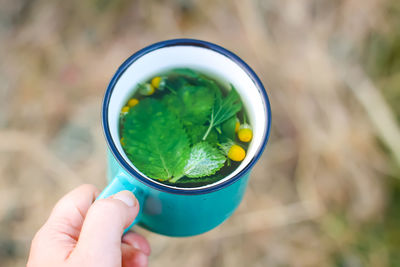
[[132, 257], [137, 241], [59, 234], [104, 225], [72, 208]]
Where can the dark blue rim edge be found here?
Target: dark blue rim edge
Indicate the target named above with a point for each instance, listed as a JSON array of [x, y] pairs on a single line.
[[182, 42]]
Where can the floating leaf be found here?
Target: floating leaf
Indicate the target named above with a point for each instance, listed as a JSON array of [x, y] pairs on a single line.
[[192, 104], [204, 160], [223, 109], [186, 72], [196, 133], [228, 128], [155, 140]]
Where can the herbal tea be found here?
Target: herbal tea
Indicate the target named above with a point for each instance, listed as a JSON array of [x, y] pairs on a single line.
[[184, 128]]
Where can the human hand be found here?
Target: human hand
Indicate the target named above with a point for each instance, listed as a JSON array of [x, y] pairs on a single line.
[[81, 232]]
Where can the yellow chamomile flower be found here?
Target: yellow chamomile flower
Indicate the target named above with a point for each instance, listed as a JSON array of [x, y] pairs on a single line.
[[155, 82], [237, 125], [233, 151], [146, 89], [236, 153], [133, 102], [245, 134], [125, 110]]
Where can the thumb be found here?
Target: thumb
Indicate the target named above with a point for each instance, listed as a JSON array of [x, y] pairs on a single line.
[[100, 237]]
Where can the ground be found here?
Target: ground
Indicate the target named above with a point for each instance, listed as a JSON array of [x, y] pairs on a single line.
[[324, 192]]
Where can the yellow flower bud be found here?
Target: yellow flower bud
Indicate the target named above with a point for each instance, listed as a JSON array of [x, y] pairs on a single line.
[[146, 89], [125, 110], [122, 141], [237, 126], [155, 82], [151, 91], [245, 134], [133, 102], [236, 153]]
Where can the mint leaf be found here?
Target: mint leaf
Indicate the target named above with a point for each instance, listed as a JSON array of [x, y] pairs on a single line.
[[173, 103], [155, 140], [192, 104], [228, 128], [223, 109], [186, 72], [174, 83], [204, 81], [204, 160], [227, 107], [194, 182], [198, 102], [196, 133]]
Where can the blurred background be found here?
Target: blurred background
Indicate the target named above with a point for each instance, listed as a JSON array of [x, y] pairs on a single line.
[[326, 192]]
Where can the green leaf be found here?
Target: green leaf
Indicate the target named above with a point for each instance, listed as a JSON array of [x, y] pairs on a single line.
[[198, 102], [204, 81], [174, 83], [224, 108], [228, 128], [192, 104], [155, 140], [173, 103], [204, 160], [227, 107], [196, 133], [195, 182], [212, 138], [186, 72]]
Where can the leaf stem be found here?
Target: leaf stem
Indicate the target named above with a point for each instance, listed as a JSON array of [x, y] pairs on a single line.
[[208, 131], [209, 127], [175, 179], [170, 89]]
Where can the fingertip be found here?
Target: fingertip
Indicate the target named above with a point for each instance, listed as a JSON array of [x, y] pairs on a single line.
[[133, 257], [127, 197], [137, 241], [115, 210], [141, 260]]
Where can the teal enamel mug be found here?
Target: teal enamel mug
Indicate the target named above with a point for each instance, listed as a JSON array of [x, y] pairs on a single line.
[[166, 209]]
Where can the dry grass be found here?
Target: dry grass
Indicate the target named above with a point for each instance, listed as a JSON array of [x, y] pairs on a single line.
[[322, 162]]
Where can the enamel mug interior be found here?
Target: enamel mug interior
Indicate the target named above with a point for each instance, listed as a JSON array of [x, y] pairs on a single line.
[[184, 54]]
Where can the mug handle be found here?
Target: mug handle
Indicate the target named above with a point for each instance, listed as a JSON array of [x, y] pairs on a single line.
[[121, 183]]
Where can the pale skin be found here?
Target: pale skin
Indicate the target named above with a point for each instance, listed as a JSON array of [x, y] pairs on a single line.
[[83, 232]]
